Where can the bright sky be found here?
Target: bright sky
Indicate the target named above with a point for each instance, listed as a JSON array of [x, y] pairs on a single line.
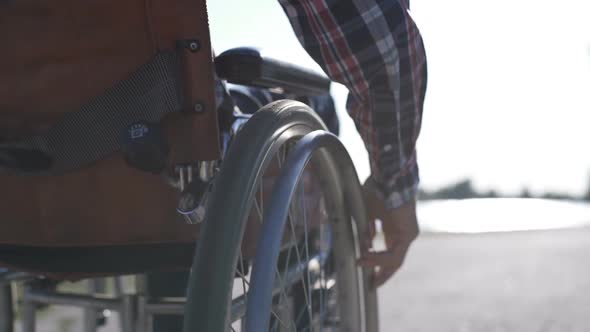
[[508, 101]]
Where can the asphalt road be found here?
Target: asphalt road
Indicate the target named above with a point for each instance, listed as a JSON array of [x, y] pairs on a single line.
[[521, 282], [496, 282]]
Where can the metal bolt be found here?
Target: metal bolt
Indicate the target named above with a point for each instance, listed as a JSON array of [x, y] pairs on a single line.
[[199, 107], [193, 46]]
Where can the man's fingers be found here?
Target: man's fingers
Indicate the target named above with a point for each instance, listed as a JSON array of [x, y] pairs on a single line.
[[384, 263], [396, 251], [367, 239], [372, 228], [400, 228], [374, 259], [381, 276], [391, 258]]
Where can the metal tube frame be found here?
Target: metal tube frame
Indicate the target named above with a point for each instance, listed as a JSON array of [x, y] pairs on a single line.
[[90, 314], [135, 310], [32, 298], [6, 309]]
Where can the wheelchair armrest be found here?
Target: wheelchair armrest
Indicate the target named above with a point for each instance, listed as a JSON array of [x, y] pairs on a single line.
[[248, 66]]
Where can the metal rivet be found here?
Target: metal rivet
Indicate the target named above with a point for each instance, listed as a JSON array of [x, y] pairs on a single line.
[[193, 46], [199, 107]]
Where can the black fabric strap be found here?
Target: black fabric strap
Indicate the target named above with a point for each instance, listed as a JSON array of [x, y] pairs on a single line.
[[97, 129]]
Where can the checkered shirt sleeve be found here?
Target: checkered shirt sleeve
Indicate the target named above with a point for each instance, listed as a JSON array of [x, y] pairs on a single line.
[[374, 48]]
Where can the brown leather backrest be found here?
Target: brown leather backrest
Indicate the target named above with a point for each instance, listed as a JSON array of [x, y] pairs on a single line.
[[58, 55]]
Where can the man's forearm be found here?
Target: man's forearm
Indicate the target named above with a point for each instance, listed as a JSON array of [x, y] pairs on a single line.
[[375, 49]]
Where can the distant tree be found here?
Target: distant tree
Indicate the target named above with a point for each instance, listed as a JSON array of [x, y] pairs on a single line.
[[464, 189], [558, 196], [460, 190], [424, 195], [491, 194], [525, 193]]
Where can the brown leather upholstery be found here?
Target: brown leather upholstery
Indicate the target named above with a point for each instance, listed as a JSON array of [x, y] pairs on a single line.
[[58, 55]]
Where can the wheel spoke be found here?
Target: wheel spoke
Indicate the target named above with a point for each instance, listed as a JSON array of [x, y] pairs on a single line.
[[283, 285], [306, 248], [281, 155], [300, 316], [242, 276], [322, 274], [275, 325], [259, 205], [288, 260], [246, 282], [305, 285], [261, 200], [278, 318]]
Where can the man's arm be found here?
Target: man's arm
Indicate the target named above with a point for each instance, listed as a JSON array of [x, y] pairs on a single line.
[[374, 48]]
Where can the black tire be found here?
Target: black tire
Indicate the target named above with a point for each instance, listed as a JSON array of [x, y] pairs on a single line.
[[209, 295]]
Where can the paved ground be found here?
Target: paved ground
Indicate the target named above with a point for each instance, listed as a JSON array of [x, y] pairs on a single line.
[[521, 282], [517, 282]]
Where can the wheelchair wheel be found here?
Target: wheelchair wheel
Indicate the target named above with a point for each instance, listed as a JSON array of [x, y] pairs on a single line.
[[309, 280], [220, 281]]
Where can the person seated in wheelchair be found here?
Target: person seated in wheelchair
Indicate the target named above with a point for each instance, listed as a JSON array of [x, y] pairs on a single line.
[[382, 62], [89, 128]]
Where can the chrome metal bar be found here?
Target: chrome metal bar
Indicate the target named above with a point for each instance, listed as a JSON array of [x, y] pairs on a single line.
[[206, 170], [150, 324], [181, 177], [83, 301], [146, 312], [142, 315], [127, 311], [28, 311], [91, 314], [146, 309], [163, 308], [143, 323], [238, 308], [189, 172], [6, 309], [6, 277]]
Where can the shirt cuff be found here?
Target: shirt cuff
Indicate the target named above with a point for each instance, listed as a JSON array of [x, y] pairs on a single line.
[[400, 189], [399, 198]]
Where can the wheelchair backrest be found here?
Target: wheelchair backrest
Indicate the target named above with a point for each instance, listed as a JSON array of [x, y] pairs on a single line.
[[78, 78]]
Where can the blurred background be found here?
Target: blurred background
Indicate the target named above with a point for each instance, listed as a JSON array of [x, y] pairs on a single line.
[[503, 155]]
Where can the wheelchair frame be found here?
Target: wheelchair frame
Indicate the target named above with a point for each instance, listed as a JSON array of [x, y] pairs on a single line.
[[242, 66]]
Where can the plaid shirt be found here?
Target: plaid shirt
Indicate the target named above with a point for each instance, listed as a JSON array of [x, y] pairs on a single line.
[[374, 48]]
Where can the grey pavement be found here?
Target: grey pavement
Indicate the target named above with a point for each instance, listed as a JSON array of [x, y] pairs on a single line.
[[497, 282], [523, 281]]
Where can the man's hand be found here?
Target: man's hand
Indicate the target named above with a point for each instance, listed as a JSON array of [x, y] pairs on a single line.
[[400, 228]]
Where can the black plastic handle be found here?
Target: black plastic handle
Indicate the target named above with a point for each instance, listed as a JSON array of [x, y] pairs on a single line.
[[248, 66]]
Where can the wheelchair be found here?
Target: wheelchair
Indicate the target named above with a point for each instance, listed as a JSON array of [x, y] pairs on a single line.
[[263, 207]]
